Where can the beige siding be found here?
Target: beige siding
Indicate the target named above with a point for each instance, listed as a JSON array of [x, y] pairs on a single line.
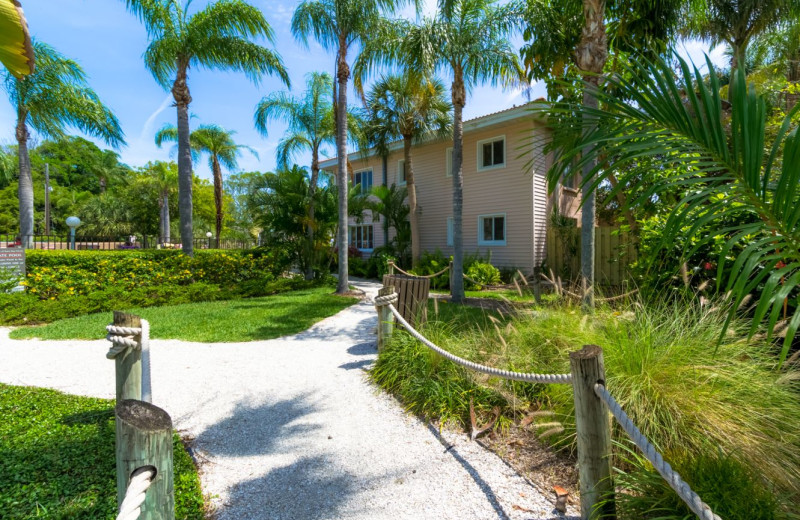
[[517, 190]]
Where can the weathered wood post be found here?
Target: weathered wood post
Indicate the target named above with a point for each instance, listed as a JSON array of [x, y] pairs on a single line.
[[144, 438], [385, 319], [129, 362], [593, 430]]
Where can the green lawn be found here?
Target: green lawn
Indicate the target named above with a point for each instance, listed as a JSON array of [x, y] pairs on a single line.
[[221, 321], [502, 294], [58, 462]]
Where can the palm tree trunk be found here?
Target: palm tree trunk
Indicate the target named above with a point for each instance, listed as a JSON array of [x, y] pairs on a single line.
[[413, 211], [164, 217], [342, 75], [312, 191], [457, 272], [590, 56], [25, 191], [217, 195], [180, 91]]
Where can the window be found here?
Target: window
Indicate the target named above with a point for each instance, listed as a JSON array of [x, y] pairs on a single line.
[[448, 162], [449, 231], [571, 179], [401, 172], [492, 153], [492, 230], [363, 179], [361, 237]]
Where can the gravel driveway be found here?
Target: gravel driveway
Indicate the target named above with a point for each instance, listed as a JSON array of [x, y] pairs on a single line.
[[291, 429]]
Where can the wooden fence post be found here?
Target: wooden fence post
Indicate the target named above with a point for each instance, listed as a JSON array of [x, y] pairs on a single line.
[[144, 438], [593, 431], [385, 319], [129, 362]]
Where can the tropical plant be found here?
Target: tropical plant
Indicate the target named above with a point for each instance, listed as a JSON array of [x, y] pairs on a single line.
[[219, 36], [727, 172], [16, 48], [338, 25], [6, 168], [163, 177], [54, 97], [735, 22], [222, 151], [311, 126], [409, 107], [470, 40], [390, 204], [108, 169]]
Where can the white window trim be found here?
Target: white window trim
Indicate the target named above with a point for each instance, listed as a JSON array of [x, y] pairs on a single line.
[[399, 169], [482, 168], [448, 162], [361, 171], [450, 233], [481, 241]]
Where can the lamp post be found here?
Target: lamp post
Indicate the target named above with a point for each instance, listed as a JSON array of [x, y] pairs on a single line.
[[208, 236], [72, 222]]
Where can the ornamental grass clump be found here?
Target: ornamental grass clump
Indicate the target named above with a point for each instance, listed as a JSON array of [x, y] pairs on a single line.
[[665, 364]]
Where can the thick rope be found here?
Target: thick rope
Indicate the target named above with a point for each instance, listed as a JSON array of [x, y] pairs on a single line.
[[496, 372], [700, 508], [134, 496], [120, 342], [147, 392], [434, 275]]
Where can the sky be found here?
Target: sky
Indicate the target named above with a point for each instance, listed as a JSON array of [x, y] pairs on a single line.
[[108, 43]]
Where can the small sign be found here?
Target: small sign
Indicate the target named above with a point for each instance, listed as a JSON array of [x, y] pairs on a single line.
[[13, 259]]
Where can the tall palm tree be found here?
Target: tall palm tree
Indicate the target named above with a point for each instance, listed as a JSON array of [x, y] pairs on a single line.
[[219, 36], [108, 169], [410, 106], [222, 151], [735, 22], [311, 126], [468, 39], [163, 176], [338, 25], [54, 97]]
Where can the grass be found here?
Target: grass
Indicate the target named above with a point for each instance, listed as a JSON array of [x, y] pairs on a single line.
[[220, 321], [661, 363], [524, 295], [58, 461]]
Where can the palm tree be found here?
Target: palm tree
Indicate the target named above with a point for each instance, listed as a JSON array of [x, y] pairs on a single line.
[[54, 97], [311, 125], [389, 203], [163, 176], [468, 39], [108, 169], [410, 107], [735, 22], [338, 25], [717, 160], [222, 151], [219, 36]]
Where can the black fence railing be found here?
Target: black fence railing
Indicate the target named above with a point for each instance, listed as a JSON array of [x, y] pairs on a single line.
[[109, 243]]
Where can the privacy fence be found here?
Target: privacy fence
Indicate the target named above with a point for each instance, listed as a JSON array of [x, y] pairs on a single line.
[[118, 242], [615, 251], [593, 403]]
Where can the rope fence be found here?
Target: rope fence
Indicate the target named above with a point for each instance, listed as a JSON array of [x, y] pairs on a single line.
[[593, 402], [131, 506], [663, 467]]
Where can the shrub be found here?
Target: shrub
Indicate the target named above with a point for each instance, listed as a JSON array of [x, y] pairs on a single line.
[[431, 263], [57, 274], [483, 273], [8, 280]]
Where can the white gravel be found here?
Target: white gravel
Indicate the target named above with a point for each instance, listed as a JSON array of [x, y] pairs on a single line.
[[291, 429]]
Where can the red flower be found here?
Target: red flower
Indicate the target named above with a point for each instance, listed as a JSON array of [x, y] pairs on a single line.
[[708, 266], [780, 264]]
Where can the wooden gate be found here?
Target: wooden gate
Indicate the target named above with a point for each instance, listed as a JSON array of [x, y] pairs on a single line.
[[412, 296]]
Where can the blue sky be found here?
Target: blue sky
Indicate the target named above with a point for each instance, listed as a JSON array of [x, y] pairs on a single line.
[[108, 42]]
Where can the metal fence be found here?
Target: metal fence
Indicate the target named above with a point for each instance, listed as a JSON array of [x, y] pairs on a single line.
[[107, 243]]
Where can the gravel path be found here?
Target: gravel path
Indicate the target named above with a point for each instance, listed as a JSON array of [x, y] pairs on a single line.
[[291, 429]]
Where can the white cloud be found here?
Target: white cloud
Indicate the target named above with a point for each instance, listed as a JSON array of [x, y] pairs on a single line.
[[147, 129]]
